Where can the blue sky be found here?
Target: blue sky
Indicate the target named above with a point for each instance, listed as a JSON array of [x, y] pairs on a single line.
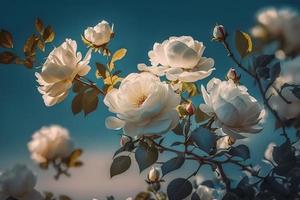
[[138, 24]]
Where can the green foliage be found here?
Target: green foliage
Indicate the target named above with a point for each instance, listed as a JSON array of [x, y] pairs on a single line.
[[204, 139], [146, 155], [243, 43], [120, 164], [241, 151], [172, 164], [179, 189]]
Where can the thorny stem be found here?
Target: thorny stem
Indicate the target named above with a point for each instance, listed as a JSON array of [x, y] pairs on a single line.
[[260, 87]]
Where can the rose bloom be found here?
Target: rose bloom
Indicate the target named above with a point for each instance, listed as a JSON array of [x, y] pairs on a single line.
[[143, 105], [18, 183], [179, 58], [290, 74], [59, 70], [233, 109], [282, 25], [50, 143], [100, 34], [207, 193]]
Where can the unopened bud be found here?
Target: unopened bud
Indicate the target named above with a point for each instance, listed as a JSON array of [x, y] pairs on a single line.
[[190, 109], [124, 139], [154, 174], [219, 33], [232, 75]]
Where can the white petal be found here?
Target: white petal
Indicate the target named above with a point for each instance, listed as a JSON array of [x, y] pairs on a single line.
[[114, 123]]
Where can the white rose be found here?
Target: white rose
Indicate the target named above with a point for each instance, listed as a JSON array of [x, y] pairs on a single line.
[[275, 20], [50, 143], [179, 58], [143, 104], [100, 34], [290, 73], [234, 110], [19, 183], [59, 70], [207, 193], [280, 24]]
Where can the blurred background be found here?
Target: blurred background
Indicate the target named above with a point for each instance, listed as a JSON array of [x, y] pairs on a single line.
[[137, 24]]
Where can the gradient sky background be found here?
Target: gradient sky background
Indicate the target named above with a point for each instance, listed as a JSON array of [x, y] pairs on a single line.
[[138, 24]]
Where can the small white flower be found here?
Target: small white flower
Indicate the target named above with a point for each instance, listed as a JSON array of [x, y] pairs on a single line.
[[234, 110], [59, 71], [143, 105], [154, 174], [219, 33], [290, 73], [179, 58], [50, 143], [100, 34], [18, 183]]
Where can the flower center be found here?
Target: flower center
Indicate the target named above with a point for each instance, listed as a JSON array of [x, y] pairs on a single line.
[[140, 100]]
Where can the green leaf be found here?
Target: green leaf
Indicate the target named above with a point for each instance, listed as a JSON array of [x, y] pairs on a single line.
[[101, 70], [7, 57], [6, 39], [178, 130], [243, 43], [77, 103], [195, 196], [41, 45], [179, 189], [73, 159], [145, 156], [172, 164], [30, 45], [120, 164], [118, 55], [48, 34], [39, 26], [204, 139], [90, 101], [240, 151], [200, 116]]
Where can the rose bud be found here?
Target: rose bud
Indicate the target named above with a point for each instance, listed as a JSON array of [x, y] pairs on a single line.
[[190, 109], [154, 174], [219, 33], [232, 75], [124, 139]]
